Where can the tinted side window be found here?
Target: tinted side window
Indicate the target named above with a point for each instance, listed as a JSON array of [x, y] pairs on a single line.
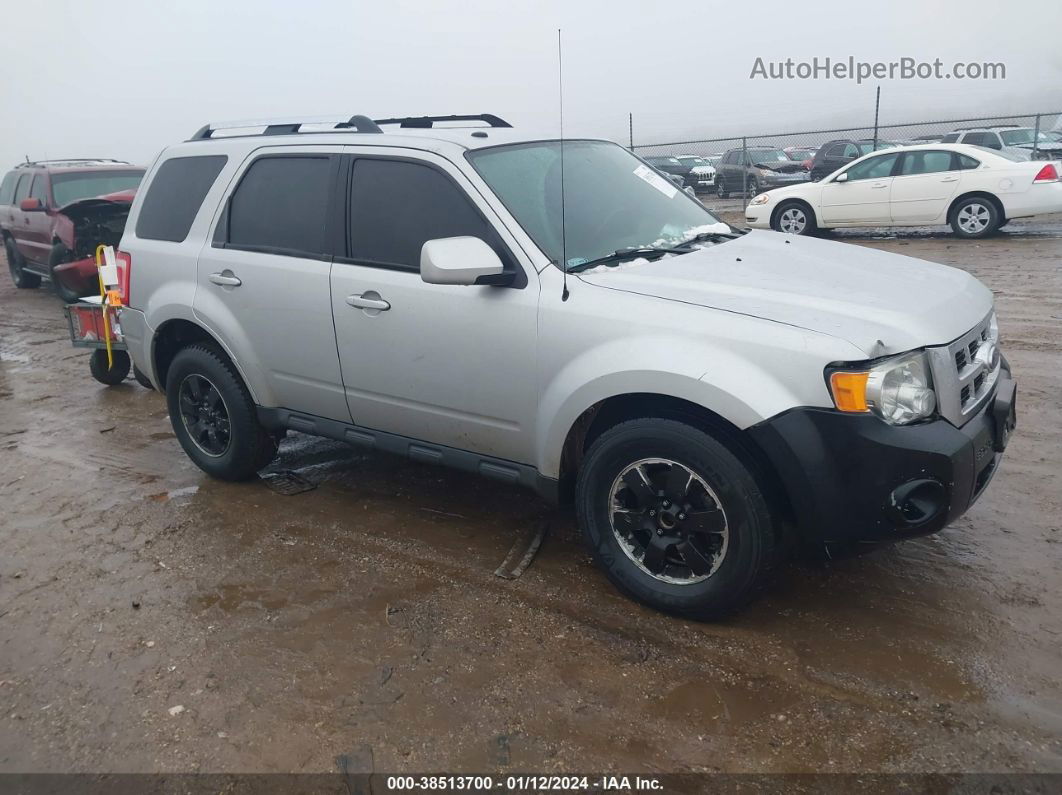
[[395, 207], [175, 195], [40, 188], [281, 204], [874, 168], [950, 138], [22, 191], [975, 139], [966, 163], [926, 162], [7, 188]]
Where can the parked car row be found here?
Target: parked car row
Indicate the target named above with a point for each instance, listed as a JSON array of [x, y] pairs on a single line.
[[975, 190]]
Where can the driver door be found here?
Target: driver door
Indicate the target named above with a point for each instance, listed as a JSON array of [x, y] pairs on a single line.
[[449, 364], [863, 197]]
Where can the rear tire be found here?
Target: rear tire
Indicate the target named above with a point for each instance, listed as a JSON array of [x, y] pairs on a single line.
[[641, 538], [22, 279], [214, 417], [974, 217], [57, 256], [111, 376]]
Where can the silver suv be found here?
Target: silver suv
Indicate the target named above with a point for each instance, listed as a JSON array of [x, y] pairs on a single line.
[[561, 316]]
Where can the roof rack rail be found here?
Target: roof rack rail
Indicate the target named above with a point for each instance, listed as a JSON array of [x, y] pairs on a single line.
[[357, 123], [71, 161], [426, 122]]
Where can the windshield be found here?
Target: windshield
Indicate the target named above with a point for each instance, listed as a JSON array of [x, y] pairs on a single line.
[[690, 160], [1020, 137], [79, 185], [612, 200], [800, 154]]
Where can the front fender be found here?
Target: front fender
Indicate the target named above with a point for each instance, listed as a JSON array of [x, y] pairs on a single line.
[[741, 391]]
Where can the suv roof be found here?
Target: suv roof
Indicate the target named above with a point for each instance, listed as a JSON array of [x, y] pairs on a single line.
[[491, 131]]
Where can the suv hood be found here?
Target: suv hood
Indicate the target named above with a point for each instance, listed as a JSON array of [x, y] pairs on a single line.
[[107, 206], [880, 302], [787, 167]]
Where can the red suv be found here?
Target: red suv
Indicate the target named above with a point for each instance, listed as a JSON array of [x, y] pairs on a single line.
[[53, 214]]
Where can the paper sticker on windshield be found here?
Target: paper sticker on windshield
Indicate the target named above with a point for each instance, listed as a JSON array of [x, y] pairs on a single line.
[[657, 181]]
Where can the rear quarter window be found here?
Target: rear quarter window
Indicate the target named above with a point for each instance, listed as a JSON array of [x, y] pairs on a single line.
[[175, 196]]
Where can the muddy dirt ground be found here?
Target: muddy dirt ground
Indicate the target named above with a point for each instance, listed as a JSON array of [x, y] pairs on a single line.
[[153, 619]]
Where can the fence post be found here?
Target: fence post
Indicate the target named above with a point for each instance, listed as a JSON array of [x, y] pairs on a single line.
[[630, 128], [877, 105], [1036, 138], [744, 172]]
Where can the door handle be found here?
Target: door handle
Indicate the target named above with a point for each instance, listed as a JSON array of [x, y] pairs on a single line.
[[225, 279], [369, 300], [950, 179], [880, 185]]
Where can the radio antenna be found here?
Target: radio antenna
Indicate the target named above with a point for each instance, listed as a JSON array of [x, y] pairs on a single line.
[[560, 104]]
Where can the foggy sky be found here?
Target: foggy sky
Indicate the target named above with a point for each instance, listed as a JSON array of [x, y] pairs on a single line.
[[124, 79]]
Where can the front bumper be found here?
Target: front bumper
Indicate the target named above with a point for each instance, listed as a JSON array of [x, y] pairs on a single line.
[[81, 276], [854, 480], [758, 216]]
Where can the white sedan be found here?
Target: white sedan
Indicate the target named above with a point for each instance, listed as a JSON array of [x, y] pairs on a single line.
[[975, 190]]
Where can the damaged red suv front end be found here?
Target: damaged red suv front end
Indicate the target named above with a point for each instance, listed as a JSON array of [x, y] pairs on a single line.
[[83, 225]]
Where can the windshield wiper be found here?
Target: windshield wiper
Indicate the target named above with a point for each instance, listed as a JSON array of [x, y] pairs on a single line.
[[712, 237], [625, 255]]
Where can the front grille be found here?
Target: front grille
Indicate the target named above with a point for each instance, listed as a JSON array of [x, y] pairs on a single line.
[[965, 371]]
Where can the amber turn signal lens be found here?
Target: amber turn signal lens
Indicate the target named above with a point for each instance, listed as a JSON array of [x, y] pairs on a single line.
[[850, 391]]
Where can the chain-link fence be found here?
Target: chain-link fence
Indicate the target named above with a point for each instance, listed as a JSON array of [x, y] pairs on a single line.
[[736, 174]]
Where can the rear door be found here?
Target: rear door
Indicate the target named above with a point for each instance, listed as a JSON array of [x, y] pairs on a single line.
[[263, 278], [38, 224], [864, 197], [923, 186]]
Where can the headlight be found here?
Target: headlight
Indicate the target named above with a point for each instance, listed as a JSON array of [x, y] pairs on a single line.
[[763, 198], [899, 390]]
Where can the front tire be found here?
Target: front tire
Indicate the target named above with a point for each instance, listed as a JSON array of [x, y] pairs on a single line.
[[794, 218], [214, 417], [674, 518], [720, 188], [57, 256], [21, 279], [975, 217]]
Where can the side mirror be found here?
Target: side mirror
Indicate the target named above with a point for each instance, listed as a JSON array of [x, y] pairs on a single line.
[[841, 177], [32, 205], [461, 260]]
